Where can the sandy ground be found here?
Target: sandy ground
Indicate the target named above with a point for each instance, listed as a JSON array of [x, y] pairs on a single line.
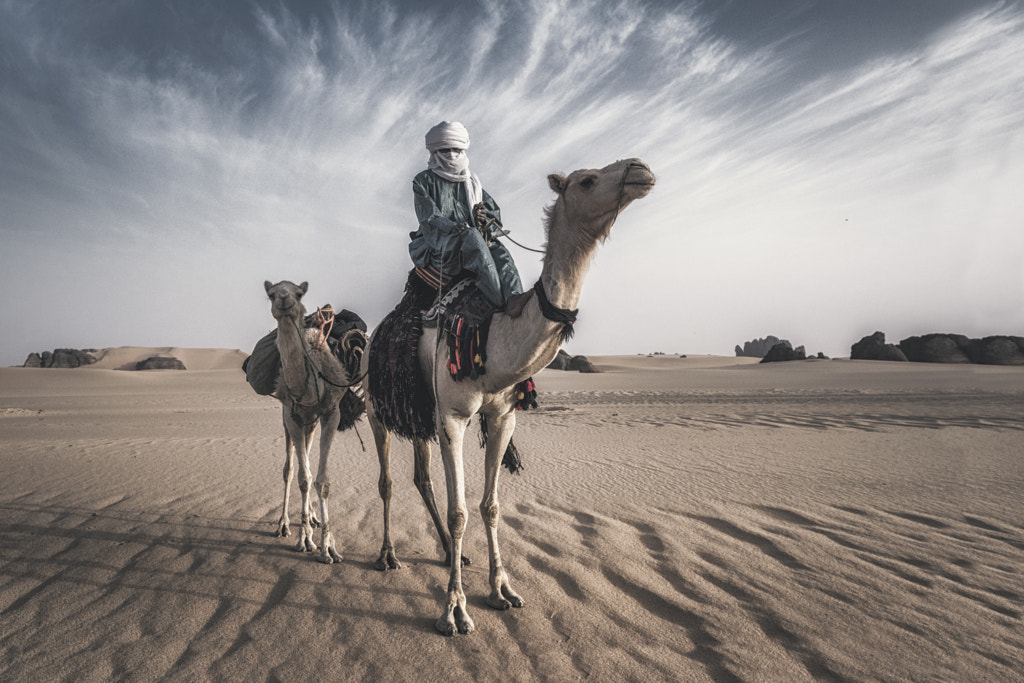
[[678, 519]]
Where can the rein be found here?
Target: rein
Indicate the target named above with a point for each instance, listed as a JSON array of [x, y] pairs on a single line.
[[325, 321], [312, 367], [618, 209]]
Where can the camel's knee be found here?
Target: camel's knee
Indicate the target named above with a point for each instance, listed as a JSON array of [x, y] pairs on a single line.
[[489, 510], [457, 521], [304, 484], [420, 478], [384, 487], [424, 486], [324, 489]]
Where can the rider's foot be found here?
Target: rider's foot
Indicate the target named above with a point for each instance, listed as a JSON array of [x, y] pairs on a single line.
[[516, 303]]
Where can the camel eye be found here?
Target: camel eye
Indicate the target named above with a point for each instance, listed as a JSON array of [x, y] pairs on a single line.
[[587, 182]]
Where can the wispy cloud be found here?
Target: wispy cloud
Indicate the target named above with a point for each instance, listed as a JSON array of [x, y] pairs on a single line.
[[272, 136]]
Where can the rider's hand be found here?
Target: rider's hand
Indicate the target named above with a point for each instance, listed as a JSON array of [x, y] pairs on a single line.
[[480, 214]]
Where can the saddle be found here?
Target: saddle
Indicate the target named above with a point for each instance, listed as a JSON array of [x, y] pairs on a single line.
[[464, 316]]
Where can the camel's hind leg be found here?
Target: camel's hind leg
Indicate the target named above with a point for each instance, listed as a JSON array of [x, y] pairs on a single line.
[[421, 477], [289, 472], [328, 428], [502, 596], [382, 439]]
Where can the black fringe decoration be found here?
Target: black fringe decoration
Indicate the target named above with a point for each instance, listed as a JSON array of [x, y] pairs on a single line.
[[556, 315], [402, 397], [511, 460]]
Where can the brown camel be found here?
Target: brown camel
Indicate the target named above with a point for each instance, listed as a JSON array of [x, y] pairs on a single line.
[[310, 386]]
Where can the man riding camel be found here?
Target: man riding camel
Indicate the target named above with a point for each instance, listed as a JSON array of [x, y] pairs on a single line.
[[459, 222]]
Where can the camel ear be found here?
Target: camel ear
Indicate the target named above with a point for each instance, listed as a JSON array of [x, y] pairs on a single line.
[[558, 182], [267, 285], [303, 287]]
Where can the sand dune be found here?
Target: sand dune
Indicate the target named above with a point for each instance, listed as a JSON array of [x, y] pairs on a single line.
[[125, 357], [690, 519]]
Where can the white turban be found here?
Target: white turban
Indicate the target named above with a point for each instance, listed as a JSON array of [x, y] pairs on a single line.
[[454, 166], [447, 134]]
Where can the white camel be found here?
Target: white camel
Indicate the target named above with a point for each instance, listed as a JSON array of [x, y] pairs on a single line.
[[310, 386], [587, 204]]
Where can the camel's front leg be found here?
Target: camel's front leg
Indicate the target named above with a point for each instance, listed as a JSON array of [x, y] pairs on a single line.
[[455, 617], [300, 435], [328, 428], [502, 596], [289, 460]]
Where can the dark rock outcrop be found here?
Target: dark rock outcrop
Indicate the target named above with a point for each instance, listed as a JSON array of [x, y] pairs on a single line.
[[563, 361], [937, 348], [560, 361], [759, 348], [873, 347], [997, 350], [160, 363], [784, 351], [62, 358], [942, 348]]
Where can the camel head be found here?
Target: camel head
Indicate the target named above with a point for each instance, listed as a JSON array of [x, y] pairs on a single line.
[[286, 299], [590, 200]]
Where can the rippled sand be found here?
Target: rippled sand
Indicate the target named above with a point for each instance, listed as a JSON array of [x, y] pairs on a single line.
[[678, 519]]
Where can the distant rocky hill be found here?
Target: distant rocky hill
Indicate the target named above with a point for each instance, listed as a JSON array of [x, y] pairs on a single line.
[[873, 347], [942, 348], [759, 348], [149, 359], [63, 358], [784, 351], [160, 363], [563, 361]]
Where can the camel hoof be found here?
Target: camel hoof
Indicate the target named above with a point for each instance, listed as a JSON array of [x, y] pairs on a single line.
[[282, 531], [498, 603], [305, 546], [504, 600], [330, 557], [512, 597], [386, 561], [448, 624]]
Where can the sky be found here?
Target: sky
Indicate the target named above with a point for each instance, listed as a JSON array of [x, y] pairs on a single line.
[[825, 169]]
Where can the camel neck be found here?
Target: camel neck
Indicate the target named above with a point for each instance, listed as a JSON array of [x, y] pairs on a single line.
[[289, 345], [565, 263], [538, 337]]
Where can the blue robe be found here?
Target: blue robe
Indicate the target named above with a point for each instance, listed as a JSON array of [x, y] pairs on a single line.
[[440, 206]]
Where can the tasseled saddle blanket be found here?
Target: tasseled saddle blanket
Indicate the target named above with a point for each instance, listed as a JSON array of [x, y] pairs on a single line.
[[263, 366], [464, 316], [402, 397]]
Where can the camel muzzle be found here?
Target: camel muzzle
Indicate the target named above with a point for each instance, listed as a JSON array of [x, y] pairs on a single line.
[[639, 173]]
